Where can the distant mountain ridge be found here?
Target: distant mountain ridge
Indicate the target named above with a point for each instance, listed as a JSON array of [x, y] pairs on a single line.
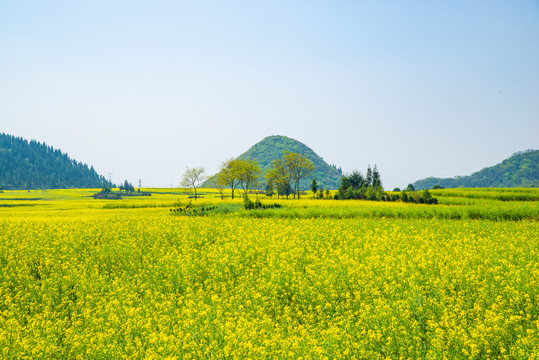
[[33, 165], [519, 170], [273, 147]]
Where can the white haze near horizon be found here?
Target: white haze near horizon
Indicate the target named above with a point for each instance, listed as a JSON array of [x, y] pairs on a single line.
[[142, 90]]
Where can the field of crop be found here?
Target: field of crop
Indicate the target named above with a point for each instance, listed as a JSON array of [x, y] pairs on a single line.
[[82, 278]]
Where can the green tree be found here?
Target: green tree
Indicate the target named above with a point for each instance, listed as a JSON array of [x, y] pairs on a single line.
[[283, 189], [376, 181], [279, 175], [352, 186], [314, 187], [127, 186], [229, 175], [193, 178], [221, 188], [404, 196], [299, 167], [379, 193], [370, 193], [248, 173], [269, 189], [369, 176]]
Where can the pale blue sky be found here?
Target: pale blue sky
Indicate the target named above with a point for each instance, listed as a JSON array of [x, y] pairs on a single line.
[[144, 89]]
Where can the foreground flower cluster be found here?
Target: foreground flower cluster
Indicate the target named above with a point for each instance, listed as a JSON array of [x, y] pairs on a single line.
[[140, 283]]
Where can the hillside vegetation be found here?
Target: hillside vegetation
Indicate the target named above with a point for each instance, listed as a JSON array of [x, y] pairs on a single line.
[[519, 170], [33, 165]]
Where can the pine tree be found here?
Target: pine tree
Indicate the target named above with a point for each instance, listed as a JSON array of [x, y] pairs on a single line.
[[376, 181], [314, 186]]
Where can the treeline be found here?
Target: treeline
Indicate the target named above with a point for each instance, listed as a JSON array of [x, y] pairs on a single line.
[[369, 187], [33, 165], [128, 188], [357, 186], [285, 174], [283, 177]]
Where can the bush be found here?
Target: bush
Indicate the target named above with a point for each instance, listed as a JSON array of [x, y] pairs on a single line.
[[425, 197], [257, 205]]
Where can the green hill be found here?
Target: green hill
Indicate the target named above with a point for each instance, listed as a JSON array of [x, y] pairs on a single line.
[[34, 165], [519, 170], [272, 147]]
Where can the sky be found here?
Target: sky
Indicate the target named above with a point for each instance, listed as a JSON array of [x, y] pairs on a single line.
[[144, 89]]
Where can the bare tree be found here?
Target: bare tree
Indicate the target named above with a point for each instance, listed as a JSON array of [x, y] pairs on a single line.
[[193, 178]]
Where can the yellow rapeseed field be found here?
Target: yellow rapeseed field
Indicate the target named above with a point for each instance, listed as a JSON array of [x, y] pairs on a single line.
[[316, 279]]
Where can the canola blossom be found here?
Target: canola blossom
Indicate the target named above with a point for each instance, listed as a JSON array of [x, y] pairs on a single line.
[[319, 279]]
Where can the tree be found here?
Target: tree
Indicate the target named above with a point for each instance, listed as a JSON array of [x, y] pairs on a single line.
[[299, 167], [283, 189], [221, 188], [269, 189], [193, 178], [352, 186], [369, 176], [314, 187], [355, 186], [279, 175], [248, 173], [404, 196], [376, 181], [356, 180], [410, 187], [127, 186], [234, 172], [380, 195], [228, 175], [426, 197], [370, 193]]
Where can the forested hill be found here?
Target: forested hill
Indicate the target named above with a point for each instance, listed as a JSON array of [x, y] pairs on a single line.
[[272, 147], [519, 170], [34, 165]]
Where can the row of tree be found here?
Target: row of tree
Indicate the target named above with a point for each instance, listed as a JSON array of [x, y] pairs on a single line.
[[235, 172], [284, 175], [357, 186], [369, 187], [291, 167]]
